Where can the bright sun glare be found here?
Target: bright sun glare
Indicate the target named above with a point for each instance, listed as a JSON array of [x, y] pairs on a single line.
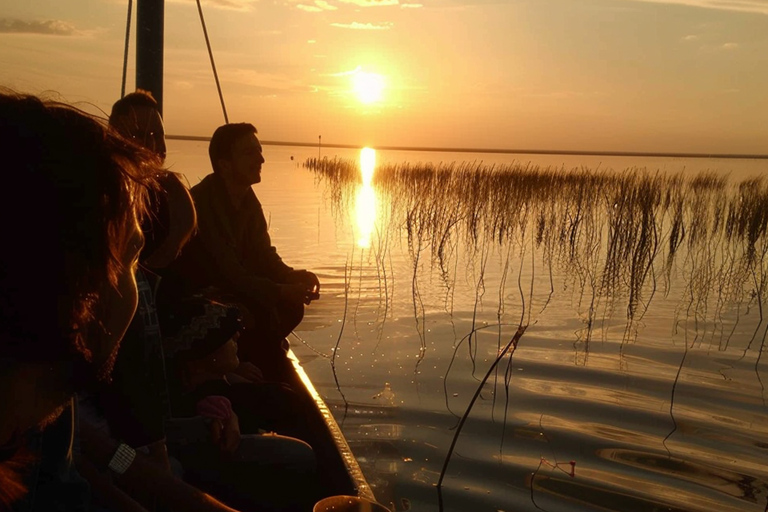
[[368, 86]]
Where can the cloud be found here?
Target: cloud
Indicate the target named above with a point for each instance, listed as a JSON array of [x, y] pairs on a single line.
[[364, 26], [753, 6], [730, 46], [691, 37], [234, 5], [47, 27], [319, 6], [268, 83], [345, 73], [371, 3], [411, 6], [325, 5]]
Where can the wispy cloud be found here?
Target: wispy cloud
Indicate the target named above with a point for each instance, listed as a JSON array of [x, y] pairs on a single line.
[[235, 5], [690, 38], [730, 46], [267, 83], [754, 6], [411, 6], [371, 3], [47, 27], [318, 6], [325, 5], [364, 26]]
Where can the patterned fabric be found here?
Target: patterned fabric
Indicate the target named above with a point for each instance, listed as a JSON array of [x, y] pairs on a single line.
[[136, 402], [196, 326]]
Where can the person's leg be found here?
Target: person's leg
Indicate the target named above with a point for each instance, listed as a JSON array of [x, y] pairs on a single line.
[[257, 475], [263, 341]]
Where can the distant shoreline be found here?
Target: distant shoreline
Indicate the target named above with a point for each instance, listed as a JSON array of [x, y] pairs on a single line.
[[487, 150]]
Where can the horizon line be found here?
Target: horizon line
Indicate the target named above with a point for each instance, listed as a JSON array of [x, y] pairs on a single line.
[[198, 138]]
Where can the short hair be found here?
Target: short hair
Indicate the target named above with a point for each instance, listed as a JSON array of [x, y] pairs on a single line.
[[124, 105], [224, 138], [78, 188]]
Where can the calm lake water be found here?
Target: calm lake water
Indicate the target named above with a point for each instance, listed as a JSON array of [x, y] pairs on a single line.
[[615, 397]]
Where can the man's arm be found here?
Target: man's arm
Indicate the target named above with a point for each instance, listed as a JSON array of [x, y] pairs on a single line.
[[223, 257]]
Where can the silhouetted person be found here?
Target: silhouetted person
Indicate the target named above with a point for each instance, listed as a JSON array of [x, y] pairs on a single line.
[[137, 117], [232, 254], [237, 462], [135, 402], [67, 292]]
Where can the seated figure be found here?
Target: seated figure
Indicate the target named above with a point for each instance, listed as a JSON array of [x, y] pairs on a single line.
[[232, 255], [236, 461], [134, 404], [67, 288]]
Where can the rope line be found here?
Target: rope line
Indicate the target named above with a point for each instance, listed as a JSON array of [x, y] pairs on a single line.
[[127, 43], [213, 64]]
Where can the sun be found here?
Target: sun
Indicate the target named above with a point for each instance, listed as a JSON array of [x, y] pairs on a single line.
[[369, 87]]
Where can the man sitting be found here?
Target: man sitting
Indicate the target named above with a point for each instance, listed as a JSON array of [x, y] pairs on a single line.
[[232, 251]]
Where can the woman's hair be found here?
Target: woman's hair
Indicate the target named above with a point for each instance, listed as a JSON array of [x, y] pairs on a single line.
[[74, 190]]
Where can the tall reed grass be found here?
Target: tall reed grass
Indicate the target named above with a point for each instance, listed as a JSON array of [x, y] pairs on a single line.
[[624, 232], [619, 237]]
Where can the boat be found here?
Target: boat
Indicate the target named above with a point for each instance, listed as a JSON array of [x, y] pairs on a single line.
[[338, 469]]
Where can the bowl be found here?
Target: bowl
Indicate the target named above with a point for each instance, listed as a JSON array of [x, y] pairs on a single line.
[[348, 504]]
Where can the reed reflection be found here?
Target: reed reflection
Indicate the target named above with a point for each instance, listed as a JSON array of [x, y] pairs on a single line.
[[365, 201]]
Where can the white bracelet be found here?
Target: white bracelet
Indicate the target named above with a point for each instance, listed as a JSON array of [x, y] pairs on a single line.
[[122, 459]]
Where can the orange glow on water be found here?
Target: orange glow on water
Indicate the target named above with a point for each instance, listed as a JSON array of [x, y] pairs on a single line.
[[366, 202], [367, 165]]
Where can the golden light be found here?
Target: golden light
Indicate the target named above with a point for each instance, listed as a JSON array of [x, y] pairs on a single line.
[[369, 87], [366, 215], [367, 164], [365, 204]]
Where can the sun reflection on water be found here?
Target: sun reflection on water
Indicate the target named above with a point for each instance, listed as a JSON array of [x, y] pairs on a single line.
[[365, 203]]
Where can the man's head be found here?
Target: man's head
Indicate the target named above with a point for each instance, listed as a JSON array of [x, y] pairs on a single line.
[[236, 153], [136, 117], [67, 291]]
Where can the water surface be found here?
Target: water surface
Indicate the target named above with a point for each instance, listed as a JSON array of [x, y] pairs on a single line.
[[592, 411]]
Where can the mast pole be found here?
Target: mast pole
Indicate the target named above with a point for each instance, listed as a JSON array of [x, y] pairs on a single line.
[[150, 26]]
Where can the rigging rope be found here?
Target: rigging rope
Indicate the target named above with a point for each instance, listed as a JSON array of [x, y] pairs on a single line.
[[127, 42], [213, 64]]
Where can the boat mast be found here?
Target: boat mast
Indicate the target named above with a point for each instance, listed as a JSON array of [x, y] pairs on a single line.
[[150, 16]]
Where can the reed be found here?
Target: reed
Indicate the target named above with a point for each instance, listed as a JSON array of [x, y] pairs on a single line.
[[627, 228], [619, 238]]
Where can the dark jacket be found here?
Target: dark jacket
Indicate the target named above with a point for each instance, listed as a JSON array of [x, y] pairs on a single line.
[[232, 250]]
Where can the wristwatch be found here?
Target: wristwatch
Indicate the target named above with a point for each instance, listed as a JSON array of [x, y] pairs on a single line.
[[122, 459]]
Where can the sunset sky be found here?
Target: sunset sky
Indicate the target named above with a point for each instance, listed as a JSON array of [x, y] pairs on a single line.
[[616, 75]]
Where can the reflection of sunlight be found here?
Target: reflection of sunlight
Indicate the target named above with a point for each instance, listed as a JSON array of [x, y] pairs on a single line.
[[366, 215], [367, 165], [366, 198]]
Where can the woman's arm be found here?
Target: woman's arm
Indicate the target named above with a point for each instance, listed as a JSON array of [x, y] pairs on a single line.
[[145, 476]]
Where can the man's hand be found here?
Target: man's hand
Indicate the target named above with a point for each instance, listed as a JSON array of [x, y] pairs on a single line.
[[312, 283], [226, 434], [309, 283], [296, 293]]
